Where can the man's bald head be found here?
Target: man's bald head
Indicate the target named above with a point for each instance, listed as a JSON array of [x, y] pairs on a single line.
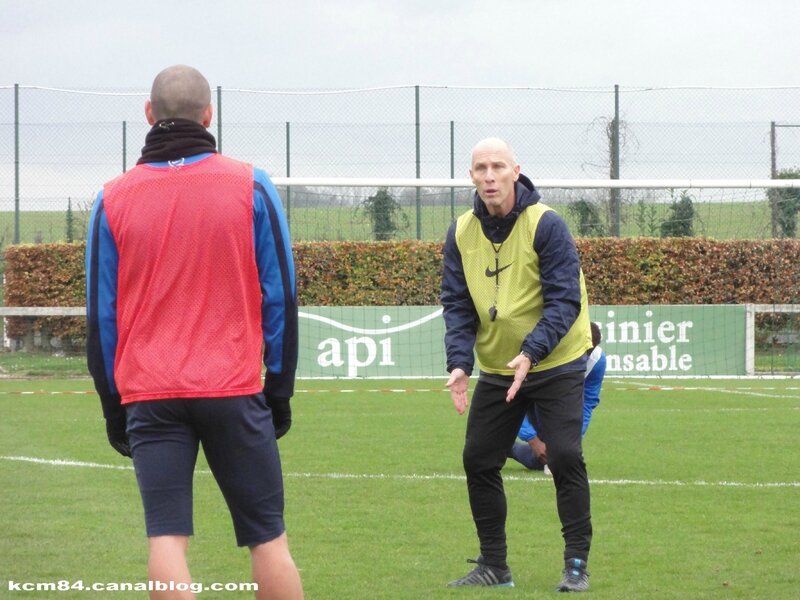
[[181, 92], [496, 146], [494, 172]]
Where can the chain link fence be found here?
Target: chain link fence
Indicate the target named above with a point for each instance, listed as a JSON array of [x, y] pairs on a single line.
[[57, 147]]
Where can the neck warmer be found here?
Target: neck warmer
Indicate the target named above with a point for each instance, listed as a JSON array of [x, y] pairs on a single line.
[[171, 139]]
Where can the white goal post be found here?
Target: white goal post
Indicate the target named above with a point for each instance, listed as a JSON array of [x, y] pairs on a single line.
[[541, 183]]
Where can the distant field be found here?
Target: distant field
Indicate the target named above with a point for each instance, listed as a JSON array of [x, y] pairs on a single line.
[[724, 220], [695, 494]]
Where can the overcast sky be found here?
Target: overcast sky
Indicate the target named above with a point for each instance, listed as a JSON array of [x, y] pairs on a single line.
[[302, 44]]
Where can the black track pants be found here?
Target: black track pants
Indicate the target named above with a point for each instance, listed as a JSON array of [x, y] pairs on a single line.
[[555, 403]]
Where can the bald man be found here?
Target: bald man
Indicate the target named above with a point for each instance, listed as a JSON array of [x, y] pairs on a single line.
[[513, 294], [190, 284]]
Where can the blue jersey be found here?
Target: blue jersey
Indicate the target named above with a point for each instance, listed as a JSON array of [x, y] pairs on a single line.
[[595, 372]]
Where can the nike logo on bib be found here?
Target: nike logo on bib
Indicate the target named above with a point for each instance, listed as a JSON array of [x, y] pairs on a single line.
[[490, 273]]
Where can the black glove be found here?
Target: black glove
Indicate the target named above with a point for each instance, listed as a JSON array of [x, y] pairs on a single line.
[[117, 437], [281, 414]]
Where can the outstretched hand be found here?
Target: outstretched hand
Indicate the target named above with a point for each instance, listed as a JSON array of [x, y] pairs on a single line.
[[521, 365], [458, 384]]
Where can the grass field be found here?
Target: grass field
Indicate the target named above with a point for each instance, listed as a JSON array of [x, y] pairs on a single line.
[[695, 494]]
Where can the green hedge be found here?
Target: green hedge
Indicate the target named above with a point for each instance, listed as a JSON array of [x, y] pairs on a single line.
[[691, 271], [45, 275], [368, 273], [618, 271]]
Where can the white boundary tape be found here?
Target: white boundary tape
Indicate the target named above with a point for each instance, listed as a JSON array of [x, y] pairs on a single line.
[[436, 476]]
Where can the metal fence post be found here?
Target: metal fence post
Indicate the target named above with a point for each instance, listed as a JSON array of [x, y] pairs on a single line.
[[418, 158], [219, 119], [16, 163], [616, 209], [124, 146], [452, 171], [773, 151], [288, 174]]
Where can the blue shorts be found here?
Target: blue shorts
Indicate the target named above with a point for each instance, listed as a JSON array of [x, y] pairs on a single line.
[[239, 444]]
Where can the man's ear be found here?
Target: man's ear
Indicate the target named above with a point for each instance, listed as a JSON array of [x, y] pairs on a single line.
[[208, 114], [148, 112]]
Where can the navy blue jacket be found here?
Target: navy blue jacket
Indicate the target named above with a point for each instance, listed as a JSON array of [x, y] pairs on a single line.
[[558, 256]]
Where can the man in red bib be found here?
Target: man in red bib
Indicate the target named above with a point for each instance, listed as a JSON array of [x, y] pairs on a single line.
[[190, 283]]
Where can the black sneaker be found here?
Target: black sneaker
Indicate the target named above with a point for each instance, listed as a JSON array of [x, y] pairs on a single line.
[[484, 575], [575, 576]]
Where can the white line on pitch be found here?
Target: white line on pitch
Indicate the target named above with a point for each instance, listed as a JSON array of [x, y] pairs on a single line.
[[434, 476], [689, 410], [545, 479], [647, 387]]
